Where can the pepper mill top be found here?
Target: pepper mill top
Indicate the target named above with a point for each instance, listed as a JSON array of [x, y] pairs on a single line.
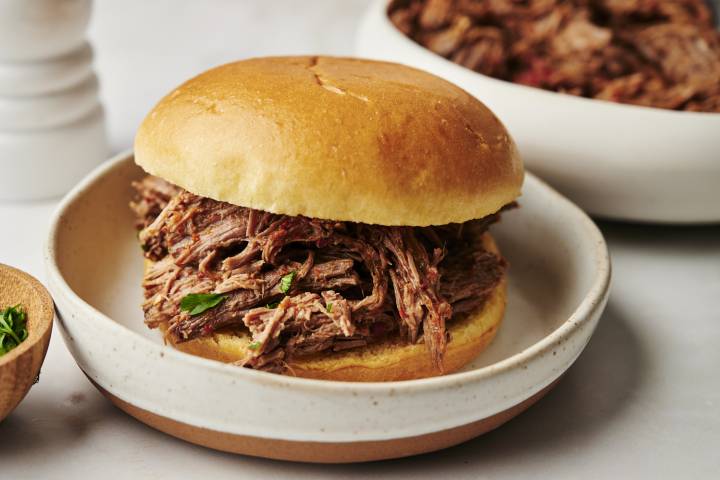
[[52, 127]]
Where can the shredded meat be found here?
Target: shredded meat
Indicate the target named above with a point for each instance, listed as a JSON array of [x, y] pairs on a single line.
[[350, 284], [153, 195], [658, 53]]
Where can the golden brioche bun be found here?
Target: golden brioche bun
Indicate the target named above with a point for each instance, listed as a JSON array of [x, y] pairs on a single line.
[[333, 138], [384, 361]]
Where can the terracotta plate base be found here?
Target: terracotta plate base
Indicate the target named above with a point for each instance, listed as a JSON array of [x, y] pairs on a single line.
[[322, 452]]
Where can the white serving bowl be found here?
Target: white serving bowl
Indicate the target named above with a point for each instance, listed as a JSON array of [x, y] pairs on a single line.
[[616, 161], [558, 286]]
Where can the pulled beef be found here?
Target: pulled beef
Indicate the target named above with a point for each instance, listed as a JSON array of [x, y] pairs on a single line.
[[658, 53], [153, 195], [351, 283]]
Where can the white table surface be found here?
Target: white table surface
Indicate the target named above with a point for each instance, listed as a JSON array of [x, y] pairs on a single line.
[[643, 401]]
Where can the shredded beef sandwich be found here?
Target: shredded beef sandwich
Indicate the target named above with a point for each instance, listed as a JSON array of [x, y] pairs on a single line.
[[240, 269]]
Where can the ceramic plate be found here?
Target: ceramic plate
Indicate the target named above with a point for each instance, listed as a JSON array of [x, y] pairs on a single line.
[[616, 161], [558, 286]]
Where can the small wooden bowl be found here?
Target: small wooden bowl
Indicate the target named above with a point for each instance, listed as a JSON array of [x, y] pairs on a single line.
[[20, 367]]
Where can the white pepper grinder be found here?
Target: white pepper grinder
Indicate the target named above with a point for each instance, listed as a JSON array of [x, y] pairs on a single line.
[[52, 125]]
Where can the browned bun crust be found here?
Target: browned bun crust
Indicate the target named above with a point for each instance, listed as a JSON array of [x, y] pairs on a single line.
[[333, 138], [384, 361]]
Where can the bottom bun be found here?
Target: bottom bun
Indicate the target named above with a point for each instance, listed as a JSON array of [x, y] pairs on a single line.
[[389, 360]]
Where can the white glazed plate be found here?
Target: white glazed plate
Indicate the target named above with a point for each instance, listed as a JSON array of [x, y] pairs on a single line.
[[558, 286], [616, 161]]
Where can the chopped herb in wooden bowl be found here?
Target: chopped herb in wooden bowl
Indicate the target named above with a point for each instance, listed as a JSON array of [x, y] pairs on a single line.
[[13, 328]]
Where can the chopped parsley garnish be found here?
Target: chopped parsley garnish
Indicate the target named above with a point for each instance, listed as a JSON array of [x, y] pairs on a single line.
[[285, 285], [328, 307], [286, 282], [254, 345], [13, 329], [197, 303]]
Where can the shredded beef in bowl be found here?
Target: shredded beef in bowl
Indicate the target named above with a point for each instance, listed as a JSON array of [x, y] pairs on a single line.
[[656, 53]]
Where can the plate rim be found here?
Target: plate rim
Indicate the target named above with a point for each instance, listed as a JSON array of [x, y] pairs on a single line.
[[594, 298]]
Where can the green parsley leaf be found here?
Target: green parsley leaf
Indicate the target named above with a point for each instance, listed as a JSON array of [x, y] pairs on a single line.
[[328, 307], [254, 345], [13, 330], [197, 303], [272, 305], [286, 282]]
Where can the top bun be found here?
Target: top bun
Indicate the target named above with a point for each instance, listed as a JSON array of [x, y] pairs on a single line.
[[333, 138]]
